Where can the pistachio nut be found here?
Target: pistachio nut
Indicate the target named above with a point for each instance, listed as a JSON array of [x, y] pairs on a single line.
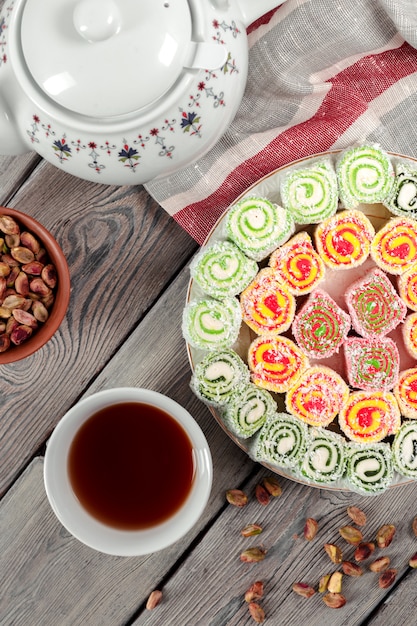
[[387, 578], [351, 534], [304, 590], [356, 515], [310, 528], [256, 612], [236, 497], [385, 535]]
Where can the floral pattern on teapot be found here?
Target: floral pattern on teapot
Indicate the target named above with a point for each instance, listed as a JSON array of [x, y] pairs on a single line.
[[4, 24], [131, 150]]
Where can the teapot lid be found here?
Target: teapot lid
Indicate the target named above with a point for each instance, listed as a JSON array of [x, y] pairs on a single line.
[[106, 58]]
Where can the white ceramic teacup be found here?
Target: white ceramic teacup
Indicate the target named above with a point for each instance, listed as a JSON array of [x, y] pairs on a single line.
[[86, 527]]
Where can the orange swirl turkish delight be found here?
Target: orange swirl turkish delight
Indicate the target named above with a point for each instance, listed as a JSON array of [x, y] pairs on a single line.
[[298, 265], [407, 287], [321, 326], [317, 396], [344, 240], [375, 307], [267, 306], [406, 392], [370, 416], [394, 247], [275, 362], [409, 332]]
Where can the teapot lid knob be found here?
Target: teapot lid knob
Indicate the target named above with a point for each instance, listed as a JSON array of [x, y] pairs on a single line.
[[97, 20], [107, 58]]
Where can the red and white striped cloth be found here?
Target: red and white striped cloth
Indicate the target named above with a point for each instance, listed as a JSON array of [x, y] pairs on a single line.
[[323, 74]]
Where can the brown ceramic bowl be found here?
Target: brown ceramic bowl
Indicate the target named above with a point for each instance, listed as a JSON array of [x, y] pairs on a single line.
[[62, 291]]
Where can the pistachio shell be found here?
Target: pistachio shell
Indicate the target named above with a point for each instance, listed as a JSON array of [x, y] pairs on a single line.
[[22, 284], [8, 225], [22, 254], [20, 334], [29, 241]]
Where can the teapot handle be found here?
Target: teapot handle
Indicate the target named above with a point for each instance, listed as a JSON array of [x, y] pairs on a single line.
[[252, 10]]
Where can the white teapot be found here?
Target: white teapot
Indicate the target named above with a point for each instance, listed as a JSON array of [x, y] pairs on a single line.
[[121, 91]]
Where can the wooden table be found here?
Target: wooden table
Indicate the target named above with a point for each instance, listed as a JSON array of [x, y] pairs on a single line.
[[129, 270]]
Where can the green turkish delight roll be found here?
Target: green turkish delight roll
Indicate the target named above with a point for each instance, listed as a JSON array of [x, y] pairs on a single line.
[[218, 376], [222, 270], [247, 410], [310, 194], [281, 441], [403, 197], [325, 458], [365, 175], [258, 226], [404, 449], [369, 469], [210, 324]]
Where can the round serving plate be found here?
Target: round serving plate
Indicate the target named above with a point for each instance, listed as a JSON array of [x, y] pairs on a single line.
[[335, 284]]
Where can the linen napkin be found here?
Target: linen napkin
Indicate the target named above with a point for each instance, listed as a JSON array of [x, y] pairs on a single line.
[[322, 74]]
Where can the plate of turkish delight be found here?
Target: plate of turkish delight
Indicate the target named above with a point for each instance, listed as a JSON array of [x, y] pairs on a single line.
[[301, 320]]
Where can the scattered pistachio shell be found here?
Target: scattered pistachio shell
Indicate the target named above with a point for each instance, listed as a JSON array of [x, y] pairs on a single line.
[[304, 590], [385, 535], [414, 526], [380, 565], [413, 561], [323, 582], [154, 599], [356, 515], [272, 486], [251, 530], [255, 591], [256, 612], [334, 552], [351, 569], [387, 578], [334, 600], [335, 582], [253, 555], [310, 529], [351, 534], [262, 495], [236, 497], [364, 551]]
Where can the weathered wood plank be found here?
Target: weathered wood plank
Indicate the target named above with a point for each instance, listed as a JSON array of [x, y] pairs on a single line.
[[122, 250], [209, 588], [13, 172]]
